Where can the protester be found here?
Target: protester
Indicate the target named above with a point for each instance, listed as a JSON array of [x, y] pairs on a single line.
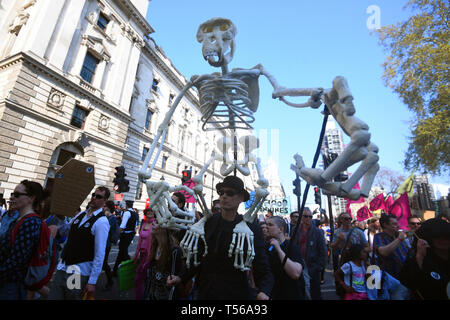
[[344, 236], [352, 274], [266, 234], [389, 246], [84, 251], [373, 227], [8, 217], [215, 208], [311, 242], [165, 261], [142, 255], [289, 283], [127, 233], [427, 274], [414, 223], [217, 277], [293, 219], [15, 257], [113, 230]]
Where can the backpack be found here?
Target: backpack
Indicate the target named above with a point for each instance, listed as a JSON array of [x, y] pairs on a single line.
[[43, 260], [114, 231]]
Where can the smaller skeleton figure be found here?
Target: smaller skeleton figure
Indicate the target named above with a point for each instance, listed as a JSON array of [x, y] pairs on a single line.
[[339, 101]]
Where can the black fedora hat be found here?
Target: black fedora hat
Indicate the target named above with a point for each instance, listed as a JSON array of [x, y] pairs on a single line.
[[235, 183]]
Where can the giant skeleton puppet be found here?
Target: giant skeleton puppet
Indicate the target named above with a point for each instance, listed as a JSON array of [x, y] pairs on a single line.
[[227, 101]]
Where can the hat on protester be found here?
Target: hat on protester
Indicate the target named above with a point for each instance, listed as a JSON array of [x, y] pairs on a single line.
[[434, 228], [235, 183]]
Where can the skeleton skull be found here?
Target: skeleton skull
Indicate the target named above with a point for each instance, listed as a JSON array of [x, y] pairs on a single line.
[[217, 38]]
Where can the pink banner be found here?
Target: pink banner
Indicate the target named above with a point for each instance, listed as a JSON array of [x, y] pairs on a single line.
[[377, 203], [363, 214], [388, 203], [402, 211], [349, 202], [190, 184]]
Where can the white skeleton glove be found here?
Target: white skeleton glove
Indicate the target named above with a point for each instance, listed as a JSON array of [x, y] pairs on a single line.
[[189, 244], [242, 233]]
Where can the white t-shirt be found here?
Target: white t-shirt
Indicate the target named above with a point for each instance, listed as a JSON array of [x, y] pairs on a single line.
[[359, 276]]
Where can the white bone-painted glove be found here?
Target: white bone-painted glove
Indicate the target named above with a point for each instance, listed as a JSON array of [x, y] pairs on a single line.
[[242, 234], [189, 244]]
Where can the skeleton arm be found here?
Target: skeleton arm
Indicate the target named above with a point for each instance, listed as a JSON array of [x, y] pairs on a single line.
[[145, 173], [189, 243], [279, 92]]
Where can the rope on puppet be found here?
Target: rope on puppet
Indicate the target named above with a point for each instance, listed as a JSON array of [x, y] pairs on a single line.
[[305, 193]]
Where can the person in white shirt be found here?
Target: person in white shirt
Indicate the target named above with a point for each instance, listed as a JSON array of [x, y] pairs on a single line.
[[81, 261], [127, 233]]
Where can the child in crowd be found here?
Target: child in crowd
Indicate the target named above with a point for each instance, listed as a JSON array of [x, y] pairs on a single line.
[[352, 275]]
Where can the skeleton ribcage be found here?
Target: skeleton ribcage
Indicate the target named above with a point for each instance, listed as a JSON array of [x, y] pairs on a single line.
[[224, 104]]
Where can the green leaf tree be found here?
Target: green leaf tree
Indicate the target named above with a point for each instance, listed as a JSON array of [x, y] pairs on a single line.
[[418, 69]]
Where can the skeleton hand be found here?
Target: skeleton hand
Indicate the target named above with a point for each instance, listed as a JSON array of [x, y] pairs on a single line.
[[315, 98], [243, 233], [189, 244]]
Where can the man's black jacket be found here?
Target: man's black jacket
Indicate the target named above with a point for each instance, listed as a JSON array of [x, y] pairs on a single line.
[[216, 276]]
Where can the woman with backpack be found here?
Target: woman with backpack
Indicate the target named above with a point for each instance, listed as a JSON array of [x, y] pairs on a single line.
[[16, 255]]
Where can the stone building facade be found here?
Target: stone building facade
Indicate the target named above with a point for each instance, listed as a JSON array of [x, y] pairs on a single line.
[[81, 79]]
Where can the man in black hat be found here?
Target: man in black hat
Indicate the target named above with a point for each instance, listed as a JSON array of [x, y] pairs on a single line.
[[427, 274], [127, 232], [216, 275]]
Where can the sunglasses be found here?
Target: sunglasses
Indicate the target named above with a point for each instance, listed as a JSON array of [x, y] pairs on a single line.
[[306, 216], [347, 219], [18, 194], [97, 196], [415, 223], [229, 193]]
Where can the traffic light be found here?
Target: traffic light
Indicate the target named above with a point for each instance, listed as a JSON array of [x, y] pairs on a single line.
[[297, 189], [120, 183], [328, 159], [186, 175], [317, 196]]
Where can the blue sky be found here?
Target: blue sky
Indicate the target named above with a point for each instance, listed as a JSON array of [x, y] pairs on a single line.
[[303, 44]]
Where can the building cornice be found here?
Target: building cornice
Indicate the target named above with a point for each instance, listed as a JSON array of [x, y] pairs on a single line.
[[82, 89], [129, 8]]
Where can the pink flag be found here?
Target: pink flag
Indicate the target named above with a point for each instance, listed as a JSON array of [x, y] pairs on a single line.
[[388, 203], [349, 202], [190, 184], [377, 203], [363, 214], [402, 211]]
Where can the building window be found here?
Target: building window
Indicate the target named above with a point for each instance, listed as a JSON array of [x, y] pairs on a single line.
[[78, 117], [102, 21], [89, 65], [164, 162], [155, 85], [148, 119], [144, 153], [171, 96], [64, 156]]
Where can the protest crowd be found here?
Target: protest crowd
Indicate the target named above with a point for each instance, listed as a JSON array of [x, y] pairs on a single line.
[[371, 259]]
